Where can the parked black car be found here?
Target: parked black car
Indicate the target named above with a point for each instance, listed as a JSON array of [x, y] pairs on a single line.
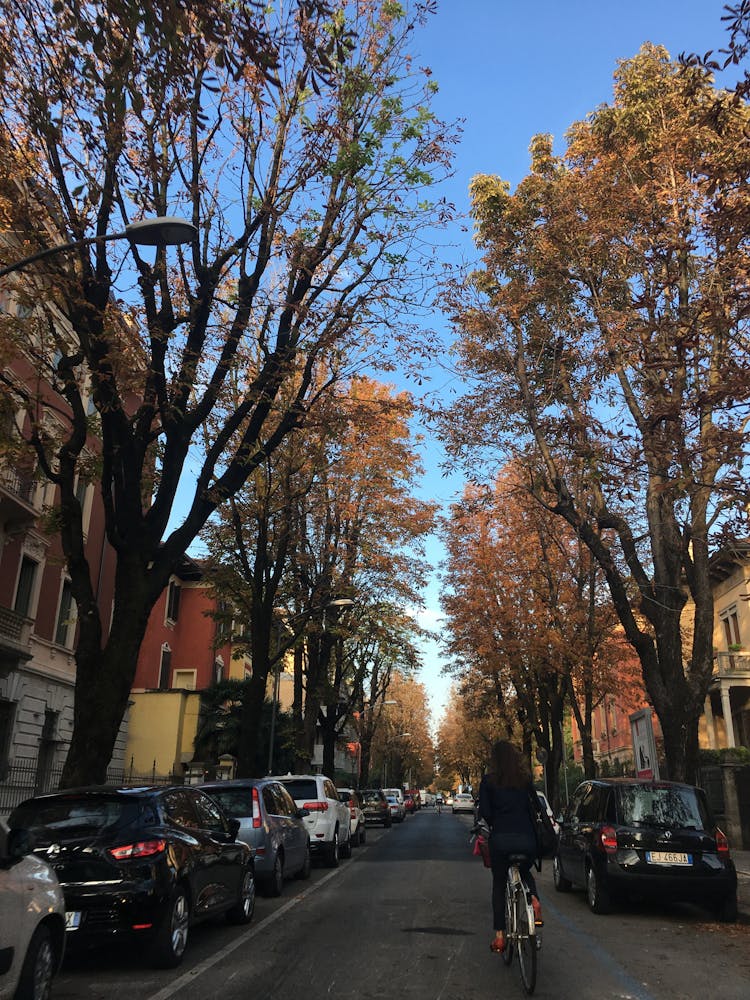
[[625, 837], [142, 863], [375, 806]]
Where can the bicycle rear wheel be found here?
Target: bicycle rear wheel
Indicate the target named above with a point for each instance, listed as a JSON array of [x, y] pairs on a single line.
[[509, 923], [526, 938]]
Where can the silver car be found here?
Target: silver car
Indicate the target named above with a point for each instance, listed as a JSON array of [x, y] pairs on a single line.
[[271, 824], [32, 920]]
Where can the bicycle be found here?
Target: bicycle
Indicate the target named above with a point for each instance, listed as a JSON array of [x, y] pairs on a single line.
[[520, 927]]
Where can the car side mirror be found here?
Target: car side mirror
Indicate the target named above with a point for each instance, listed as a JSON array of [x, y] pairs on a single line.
[[19, 843], [234, 826], [301, 813]]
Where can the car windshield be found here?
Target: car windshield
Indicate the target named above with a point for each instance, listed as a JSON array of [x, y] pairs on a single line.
[[67, 817], [302, 788], [236, 802], [662, 806]]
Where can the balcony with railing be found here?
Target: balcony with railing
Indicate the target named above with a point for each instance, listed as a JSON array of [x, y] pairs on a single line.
[[17, 494], [732, 665], [15, 639]]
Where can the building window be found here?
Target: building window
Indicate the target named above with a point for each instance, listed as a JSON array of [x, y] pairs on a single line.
[[7, 712], [66, 617], [173, 601], [25, 588], [165, 667], [46, 757], [223, 622], [218, 670], [185, 679], [731, 625]]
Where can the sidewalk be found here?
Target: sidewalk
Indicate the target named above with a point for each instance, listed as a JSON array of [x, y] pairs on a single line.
[[742, 864]]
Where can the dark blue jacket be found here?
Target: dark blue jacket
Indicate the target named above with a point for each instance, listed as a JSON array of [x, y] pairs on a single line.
[[507, 813]]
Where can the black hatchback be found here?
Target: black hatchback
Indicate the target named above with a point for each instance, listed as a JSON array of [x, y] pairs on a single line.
[[626, 837], [141, 863]]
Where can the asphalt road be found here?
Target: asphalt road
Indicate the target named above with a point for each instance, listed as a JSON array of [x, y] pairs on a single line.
[[409, 917]]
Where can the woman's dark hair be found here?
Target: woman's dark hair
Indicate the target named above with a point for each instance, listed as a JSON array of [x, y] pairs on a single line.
[[508, 767]]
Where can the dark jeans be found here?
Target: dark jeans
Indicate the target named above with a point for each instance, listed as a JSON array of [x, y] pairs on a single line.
[[500, 868]]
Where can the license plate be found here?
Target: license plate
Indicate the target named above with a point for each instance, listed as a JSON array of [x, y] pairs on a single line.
[[72, 920], [668, 858]]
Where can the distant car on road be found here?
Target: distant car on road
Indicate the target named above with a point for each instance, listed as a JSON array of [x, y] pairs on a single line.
[[271, 824], [463, 802], [653, 839], [350, 797], [32, 920], [375, 806], [141, 864], [398, 812]]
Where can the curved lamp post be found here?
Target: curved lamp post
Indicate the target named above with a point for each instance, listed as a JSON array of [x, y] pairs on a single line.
[[163, 230]]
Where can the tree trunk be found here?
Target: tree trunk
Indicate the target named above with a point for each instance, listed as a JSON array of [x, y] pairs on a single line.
[[104, 676]]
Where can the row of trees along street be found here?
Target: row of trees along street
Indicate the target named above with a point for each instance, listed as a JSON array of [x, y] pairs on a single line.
[[298, 140], [316, 555], [605, 352], [218, 387]]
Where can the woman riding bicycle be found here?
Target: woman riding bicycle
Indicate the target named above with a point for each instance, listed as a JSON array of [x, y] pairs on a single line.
[[504, 804]]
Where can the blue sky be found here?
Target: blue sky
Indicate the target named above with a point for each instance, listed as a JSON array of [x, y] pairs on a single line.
[[511, 69]]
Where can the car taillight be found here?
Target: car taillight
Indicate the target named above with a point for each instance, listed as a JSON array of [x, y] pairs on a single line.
[[608, 837], [352, 809], [722, 844], [140, 849], [316, 807], [257, 820]]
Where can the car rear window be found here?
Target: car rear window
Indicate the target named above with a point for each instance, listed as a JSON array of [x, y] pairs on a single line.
[[370, 795], [67, 817], [302, 788], [652, 805], [236, 802]]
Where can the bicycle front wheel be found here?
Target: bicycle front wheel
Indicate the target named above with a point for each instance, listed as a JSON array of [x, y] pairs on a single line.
[[526, 939]]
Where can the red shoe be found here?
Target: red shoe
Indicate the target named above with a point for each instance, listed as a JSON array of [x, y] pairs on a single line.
[[537, 907], [497, 944]]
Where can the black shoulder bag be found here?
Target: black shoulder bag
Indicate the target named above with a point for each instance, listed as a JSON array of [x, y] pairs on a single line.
[[546, 838]]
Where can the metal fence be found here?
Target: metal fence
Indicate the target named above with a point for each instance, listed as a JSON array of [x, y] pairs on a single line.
[[22, 780]]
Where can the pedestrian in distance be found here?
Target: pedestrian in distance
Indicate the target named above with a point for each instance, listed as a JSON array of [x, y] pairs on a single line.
[[504, 797]]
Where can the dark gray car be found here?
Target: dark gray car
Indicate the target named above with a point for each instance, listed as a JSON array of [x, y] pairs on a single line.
[[271, 823]]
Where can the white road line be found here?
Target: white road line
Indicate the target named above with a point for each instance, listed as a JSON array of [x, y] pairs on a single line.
[[189, 977]]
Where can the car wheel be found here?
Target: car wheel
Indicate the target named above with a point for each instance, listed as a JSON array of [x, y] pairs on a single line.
[[726, 911], [562, 884], [346, 846], [171, 936], [332, 853], [38, 969], [596, 892], [275, 882], [242, 911], [362, 833], [388, 823], [304, 871]]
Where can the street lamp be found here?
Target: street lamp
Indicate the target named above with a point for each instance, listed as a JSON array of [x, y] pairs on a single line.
[[163, 230]]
